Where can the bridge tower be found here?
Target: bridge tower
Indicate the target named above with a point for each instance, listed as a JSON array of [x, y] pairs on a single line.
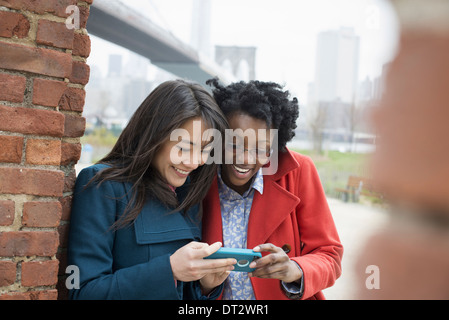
[[240, 61]]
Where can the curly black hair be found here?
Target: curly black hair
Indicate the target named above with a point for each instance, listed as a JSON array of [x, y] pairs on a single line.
[[262, 100]]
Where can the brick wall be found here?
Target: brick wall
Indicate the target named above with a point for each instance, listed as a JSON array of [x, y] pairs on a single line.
[[43, 72], [411, 161]]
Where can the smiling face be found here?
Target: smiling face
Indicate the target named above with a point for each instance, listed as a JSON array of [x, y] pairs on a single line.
[[177, 159], [248, 154]]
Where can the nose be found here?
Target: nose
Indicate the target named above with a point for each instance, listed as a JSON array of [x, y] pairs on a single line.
[[245, 157], [193, 161], [190, 165]]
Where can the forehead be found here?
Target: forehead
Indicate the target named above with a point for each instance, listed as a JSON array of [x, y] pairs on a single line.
[[252, 130], [193, 131], [194, 124], [244, 121]]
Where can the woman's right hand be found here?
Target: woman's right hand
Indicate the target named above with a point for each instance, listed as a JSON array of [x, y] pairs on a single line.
[[187, 262]]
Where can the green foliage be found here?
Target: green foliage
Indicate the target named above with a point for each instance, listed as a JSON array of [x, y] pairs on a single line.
[[100, 137], [335, 167]]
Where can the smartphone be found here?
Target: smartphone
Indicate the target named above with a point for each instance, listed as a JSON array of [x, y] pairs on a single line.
[[243, 256]]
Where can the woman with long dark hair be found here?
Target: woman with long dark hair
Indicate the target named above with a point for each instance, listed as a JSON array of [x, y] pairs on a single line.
[[135, 222]]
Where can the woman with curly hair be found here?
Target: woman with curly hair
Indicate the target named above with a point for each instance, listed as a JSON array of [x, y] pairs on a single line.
[[282, 213]]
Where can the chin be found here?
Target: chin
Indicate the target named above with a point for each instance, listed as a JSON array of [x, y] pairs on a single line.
[[241, 182], [178, 183]]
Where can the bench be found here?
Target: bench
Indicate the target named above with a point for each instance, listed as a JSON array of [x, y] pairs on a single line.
[[357, 186]]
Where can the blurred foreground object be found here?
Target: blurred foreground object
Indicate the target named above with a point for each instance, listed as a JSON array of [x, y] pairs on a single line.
[[411, 163]]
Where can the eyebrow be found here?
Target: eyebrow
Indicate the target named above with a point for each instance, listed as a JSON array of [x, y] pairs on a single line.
[[258, 141], [194, 144]]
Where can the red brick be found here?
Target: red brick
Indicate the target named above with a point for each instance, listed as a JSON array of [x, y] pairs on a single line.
[[66, 203], [31, 295], [39, 273], [48, 92], [7, 273], [35, 60], [11, 149], [73, 99], [55, 34], [69, 181], [56, 7], [81, 45], [41, 214], [74, 126], [12, 88], [84, 15], [28, 243], [7, 213], [44, 152], [32, 121], [13, 24], [411, 158], [70, 153], [31, 181], [80, 72]]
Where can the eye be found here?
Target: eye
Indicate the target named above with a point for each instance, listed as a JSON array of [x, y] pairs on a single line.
[[181, 149], [266, 152]]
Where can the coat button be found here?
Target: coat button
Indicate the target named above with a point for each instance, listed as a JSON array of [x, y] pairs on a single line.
[[287, 248]]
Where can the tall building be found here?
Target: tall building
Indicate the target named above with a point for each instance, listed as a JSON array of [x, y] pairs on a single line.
[[365, 90], [336, 71], [201, 26], [115, 65]]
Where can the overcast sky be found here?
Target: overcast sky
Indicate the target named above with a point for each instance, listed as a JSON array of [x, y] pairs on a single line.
[[284, 31]]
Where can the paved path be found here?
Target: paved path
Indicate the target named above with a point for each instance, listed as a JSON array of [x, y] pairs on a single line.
[[355, 224]]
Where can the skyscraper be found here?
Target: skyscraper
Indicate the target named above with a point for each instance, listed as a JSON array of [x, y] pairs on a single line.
[[337, 61], [115, 65], [201, 22]]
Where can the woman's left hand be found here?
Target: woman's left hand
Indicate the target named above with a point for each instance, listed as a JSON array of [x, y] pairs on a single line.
[[276, 265], [212, 280]]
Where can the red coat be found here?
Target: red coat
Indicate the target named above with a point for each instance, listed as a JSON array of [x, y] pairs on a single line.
[[292, 210]]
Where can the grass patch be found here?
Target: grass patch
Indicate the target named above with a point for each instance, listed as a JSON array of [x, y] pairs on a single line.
[[334, 168], [100, 137]]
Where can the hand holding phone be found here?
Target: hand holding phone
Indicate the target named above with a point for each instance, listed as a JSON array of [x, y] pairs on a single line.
[[243, 256]]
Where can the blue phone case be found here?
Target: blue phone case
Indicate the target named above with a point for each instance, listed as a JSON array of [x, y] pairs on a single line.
[[243, 256]]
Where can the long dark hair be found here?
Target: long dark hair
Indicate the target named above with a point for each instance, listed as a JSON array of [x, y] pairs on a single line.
[[167, 108]]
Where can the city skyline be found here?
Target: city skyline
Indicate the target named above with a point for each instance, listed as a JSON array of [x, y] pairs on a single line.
[[286, 48]]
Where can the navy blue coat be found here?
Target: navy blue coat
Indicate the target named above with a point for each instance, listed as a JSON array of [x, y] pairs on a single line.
[[132, 262]]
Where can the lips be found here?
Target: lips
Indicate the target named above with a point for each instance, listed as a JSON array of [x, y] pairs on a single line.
[[240, 172], [181, 173]]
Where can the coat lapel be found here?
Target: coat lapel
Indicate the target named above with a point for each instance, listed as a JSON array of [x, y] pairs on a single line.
[[268, 211], [212, 224]]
